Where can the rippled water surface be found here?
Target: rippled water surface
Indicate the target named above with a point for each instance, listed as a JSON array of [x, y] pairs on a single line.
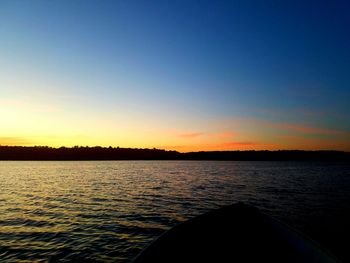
[[110, 210]]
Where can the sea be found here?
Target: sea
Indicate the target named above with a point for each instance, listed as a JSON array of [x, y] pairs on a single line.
[[108, 211]]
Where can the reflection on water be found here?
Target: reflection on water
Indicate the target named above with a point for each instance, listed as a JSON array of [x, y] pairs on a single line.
[[109, 210]]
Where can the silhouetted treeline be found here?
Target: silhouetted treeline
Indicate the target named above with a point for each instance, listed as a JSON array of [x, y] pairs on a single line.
[[111, 153], [283, 155], [83, 153]]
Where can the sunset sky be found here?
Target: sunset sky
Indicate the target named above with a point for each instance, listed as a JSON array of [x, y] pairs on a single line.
[[179, 75]]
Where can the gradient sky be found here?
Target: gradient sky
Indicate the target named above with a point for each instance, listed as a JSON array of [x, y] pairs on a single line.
[[182, 75]]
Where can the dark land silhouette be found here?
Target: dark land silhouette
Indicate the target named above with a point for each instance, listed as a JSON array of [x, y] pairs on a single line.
[[111, 153]]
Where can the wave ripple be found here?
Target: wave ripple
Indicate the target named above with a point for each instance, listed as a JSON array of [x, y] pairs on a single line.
[[110, 210]]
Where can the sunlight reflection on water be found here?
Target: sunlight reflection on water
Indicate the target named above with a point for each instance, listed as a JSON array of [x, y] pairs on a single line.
[[109, 210]]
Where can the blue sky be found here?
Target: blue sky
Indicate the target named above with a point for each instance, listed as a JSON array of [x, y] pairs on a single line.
[[176, 67]]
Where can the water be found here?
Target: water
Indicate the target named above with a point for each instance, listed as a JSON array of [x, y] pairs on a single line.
[[110, 210]]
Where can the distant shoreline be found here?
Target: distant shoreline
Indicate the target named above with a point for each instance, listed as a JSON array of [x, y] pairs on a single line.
[[77, 153]]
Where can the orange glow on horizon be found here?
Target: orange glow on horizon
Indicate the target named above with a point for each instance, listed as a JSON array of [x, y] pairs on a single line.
[[283, 143], [23, 124]]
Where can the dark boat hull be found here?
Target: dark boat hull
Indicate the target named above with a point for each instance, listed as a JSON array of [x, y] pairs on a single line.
[[236, 233]]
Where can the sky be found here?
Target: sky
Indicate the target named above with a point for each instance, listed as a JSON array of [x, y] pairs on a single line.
[[176, 75]]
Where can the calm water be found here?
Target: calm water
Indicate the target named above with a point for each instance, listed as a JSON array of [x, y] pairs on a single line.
[[110, 210]]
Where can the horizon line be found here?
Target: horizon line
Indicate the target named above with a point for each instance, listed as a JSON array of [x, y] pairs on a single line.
[[167, 150]]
